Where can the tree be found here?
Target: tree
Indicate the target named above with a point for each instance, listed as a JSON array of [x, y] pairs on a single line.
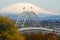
[[50, 36], [58, 37], [35, 36], [8, 30], [40, 36]]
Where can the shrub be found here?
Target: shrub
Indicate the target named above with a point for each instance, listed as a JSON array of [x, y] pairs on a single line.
[[34, 37], [40, 36], [8, 30], [50, 36]]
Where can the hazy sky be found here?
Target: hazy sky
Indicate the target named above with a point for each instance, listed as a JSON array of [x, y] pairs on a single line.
[[50, 5]]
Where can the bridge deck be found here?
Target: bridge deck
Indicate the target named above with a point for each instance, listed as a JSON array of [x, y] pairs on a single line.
[[35, 28]]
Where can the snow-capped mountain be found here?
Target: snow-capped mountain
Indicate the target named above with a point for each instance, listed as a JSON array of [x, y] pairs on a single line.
[[21, 7], [14, 10]]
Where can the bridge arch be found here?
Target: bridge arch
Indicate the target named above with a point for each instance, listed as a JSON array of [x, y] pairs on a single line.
[[28, 19]]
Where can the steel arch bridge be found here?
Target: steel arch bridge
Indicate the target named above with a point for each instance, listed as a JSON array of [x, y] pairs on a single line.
[[28, 21]]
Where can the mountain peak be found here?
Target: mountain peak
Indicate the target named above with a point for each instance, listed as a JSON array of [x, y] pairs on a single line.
[[21, 7]]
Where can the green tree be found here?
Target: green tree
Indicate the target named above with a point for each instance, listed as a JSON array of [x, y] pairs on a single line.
[[8, 30]]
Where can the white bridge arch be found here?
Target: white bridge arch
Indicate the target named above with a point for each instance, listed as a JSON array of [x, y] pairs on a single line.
[[32, 24], [26, 19]]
